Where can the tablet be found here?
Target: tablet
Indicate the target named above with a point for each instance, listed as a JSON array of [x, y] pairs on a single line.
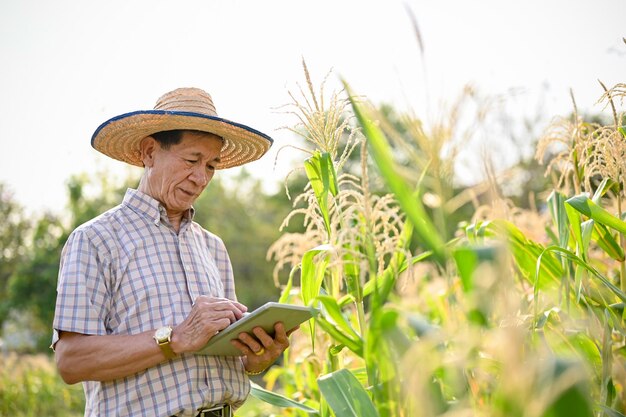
[[265, 316]]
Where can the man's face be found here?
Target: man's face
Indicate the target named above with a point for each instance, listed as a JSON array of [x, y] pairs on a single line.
[[176, 176]]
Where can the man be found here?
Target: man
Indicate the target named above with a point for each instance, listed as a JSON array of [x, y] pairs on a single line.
[[142, 287]]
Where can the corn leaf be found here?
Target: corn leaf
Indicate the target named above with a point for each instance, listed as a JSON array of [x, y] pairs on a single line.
[[609, 411], [278, 400], [604, 186], [573, 257], [547, 273], [387, 278], [603, 237], [355, 345], [556, 204], [468, 258], [351, 275], [332, 321], [381, 152], [286, 293], [332, 311], [584, 205], [575, 222], [313, 272], [321, 173], [345, 395], [571, 401]]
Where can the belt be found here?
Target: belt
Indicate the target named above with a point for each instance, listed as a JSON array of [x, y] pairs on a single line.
[[219, 411]]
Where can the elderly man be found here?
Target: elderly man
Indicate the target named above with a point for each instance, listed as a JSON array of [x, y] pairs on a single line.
[[142, 287]]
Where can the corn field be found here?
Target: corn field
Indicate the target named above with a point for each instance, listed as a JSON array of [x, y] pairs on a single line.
[[425, 312]]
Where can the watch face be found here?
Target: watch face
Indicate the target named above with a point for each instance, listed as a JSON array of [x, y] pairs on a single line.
[[163, 333]]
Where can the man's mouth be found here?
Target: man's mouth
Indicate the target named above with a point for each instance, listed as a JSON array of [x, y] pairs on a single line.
[[190, 194]]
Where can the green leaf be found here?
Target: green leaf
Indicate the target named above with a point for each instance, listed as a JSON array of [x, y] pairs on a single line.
[[526, 254], [603, 237], [333, 314], [556, 203], [412, 206], [572, 256], [381, 285], [286, 293], [313, 272], [572, 401], [574, 220], [278, 400], [609, 411], [311, 278], [467, 260], [586, 346], [586, 230], [604, 186], [333, 331], [351, 274], [321, 173], [622, 130], [584, 205], [345, 395]]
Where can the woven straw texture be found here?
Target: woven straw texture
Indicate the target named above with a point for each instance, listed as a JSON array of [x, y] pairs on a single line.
[[187, 109]]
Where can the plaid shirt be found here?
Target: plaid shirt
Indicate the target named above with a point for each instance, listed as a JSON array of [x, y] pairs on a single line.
[[128, 271]]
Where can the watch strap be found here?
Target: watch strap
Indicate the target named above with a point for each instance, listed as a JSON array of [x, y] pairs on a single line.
[[167, 350]]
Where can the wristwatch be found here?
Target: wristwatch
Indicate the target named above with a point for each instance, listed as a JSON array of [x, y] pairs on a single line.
[[163, 337]]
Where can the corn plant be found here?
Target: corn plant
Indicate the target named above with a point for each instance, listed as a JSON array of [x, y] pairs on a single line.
[[414, 322]]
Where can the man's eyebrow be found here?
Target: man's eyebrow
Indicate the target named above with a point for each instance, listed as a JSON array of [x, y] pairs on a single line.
[[217, 159]]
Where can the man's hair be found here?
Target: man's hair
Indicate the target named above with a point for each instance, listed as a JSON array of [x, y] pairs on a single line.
[[168, 138]]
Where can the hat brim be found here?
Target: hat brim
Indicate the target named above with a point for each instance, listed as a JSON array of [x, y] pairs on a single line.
[[120, 136]]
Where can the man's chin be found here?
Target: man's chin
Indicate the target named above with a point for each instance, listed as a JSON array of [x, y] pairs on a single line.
[[180, 206]]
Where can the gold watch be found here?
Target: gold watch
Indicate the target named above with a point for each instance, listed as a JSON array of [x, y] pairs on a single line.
[[163, 337]]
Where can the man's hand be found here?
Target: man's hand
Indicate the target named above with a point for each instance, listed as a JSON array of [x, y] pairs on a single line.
[[260, 349], [208, 316]]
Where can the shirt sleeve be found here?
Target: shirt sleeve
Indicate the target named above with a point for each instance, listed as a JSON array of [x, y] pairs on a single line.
[[83, 300]]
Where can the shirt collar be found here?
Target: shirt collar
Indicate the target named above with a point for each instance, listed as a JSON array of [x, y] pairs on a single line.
[[147, 206]]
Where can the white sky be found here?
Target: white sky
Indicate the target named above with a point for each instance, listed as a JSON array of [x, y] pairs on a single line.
[[68, 65]]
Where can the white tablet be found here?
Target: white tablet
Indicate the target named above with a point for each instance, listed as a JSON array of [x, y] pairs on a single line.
[[265, 316]]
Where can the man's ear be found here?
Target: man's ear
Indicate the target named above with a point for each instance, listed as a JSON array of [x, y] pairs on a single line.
[[148, 146]]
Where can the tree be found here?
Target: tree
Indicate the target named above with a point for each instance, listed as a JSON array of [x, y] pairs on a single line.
[[32, 285], [14, 230]]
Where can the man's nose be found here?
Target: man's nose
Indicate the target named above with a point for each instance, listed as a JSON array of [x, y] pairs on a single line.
[[200, 175]]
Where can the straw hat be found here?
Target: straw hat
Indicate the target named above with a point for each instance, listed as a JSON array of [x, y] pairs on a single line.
[[183, 108]]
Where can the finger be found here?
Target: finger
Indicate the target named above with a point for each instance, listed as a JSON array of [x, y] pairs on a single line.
[[292, 330], [206, 299], [210, 316], [213, 304], [258, 357], [226, 304], [224, 322], [266, 340], [254, 345], [280, 335]]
